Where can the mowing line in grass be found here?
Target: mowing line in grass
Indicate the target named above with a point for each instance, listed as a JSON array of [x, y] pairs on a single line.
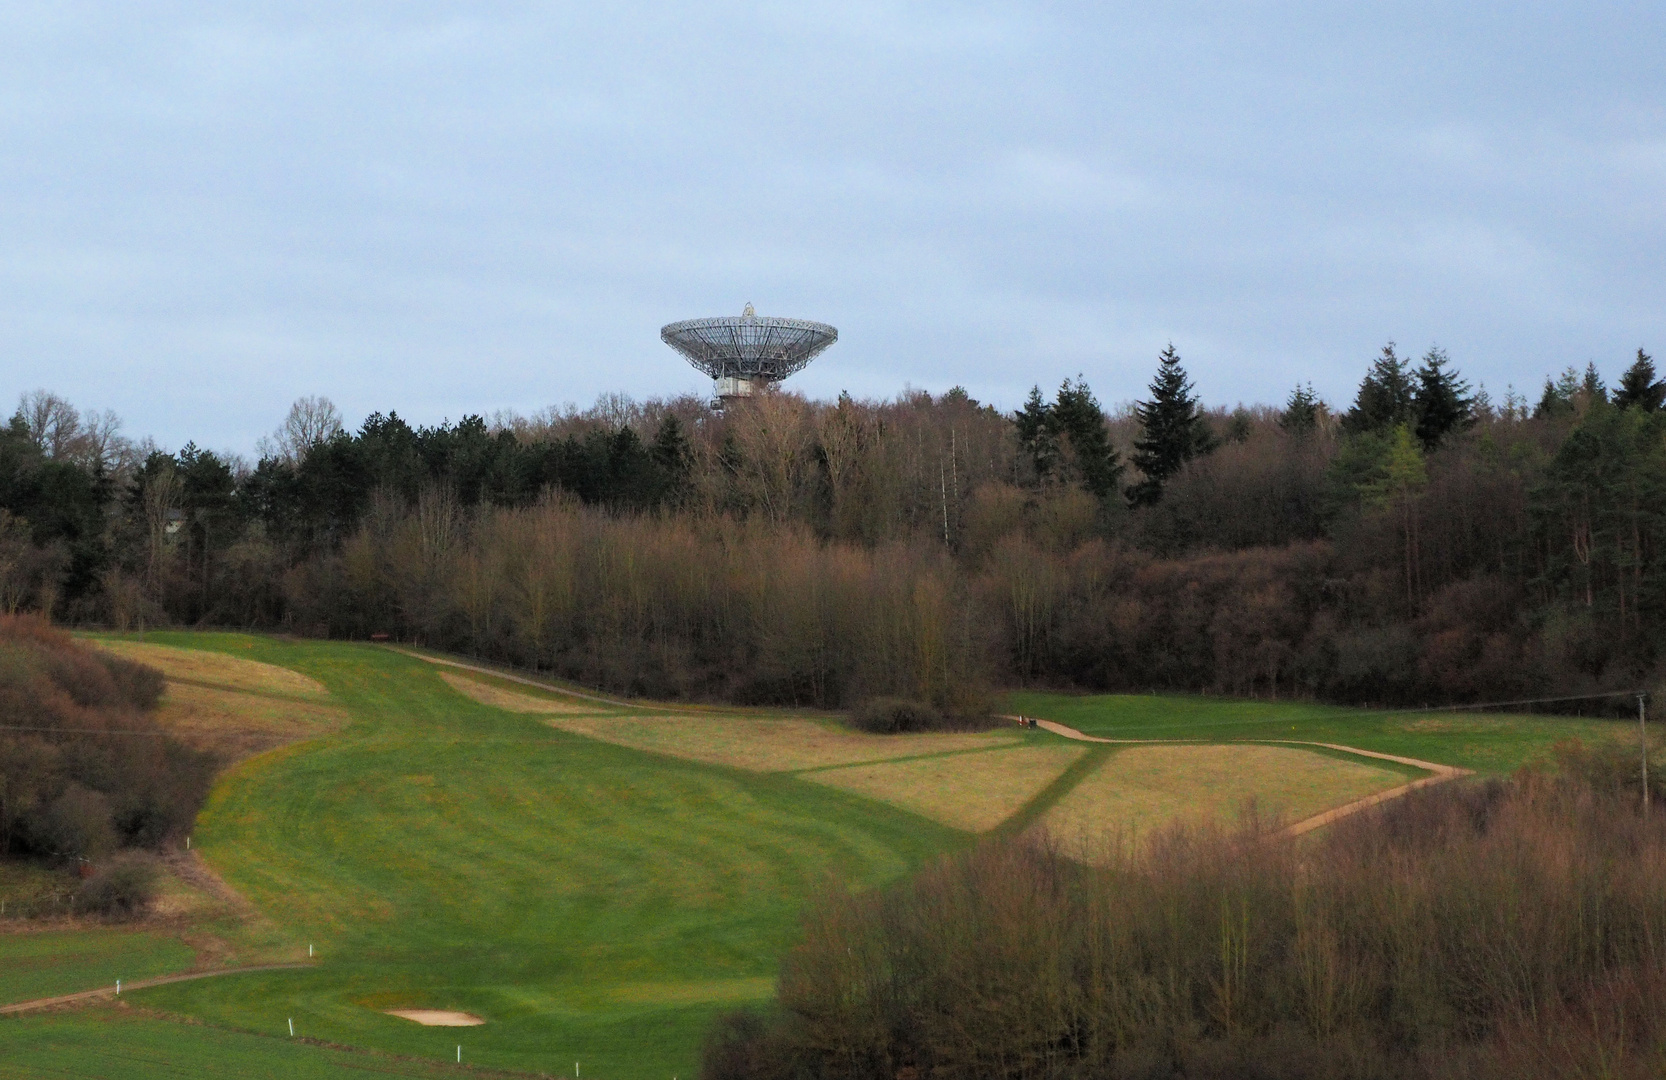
[[587, 900], [974, 792]]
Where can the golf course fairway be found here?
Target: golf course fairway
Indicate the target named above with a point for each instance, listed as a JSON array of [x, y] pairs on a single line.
[[595, 881], [595, 904]]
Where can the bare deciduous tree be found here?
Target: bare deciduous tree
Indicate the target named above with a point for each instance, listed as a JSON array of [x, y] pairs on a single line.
[[53, 422], [101, 445], [92, 440], [311, 421], [774, 438], [162, 495]]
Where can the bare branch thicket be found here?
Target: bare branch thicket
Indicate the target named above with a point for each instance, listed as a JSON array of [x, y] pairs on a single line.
[[162, 496], [312, 420], [774, 436], [53, 422]]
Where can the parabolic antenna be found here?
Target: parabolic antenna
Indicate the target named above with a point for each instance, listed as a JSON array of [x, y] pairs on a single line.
[[746, 353]]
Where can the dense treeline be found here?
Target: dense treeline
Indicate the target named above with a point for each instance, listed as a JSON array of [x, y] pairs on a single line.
[[84, 769], [1508, 930], [1423, 544]]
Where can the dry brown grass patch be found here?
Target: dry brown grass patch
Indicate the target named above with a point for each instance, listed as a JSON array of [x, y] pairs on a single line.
[[974, 792], [236, 725], [1144, 787], [765, 745], [514, 701], [215, 669]]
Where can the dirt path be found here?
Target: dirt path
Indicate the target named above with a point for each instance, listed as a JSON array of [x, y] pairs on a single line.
[[1439, 774], [140, 984], [546, 687]]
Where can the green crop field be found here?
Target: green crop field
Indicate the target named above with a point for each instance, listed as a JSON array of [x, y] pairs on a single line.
[[595, 902], [1487, 743]]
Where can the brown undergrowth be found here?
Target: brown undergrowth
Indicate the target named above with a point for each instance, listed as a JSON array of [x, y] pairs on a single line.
[[1502, 929]]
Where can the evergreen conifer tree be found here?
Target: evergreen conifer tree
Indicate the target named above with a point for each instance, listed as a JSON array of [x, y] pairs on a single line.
[[1301, 411], [1639, 388], [1592, 385], [1077, 417], [1037, 436], [1559, 394], [673, 457], [1385, 398], [1173, 430], [1441, 400]]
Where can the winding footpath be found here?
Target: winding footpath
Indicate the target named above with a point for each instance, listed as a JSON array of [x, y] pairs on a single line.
[[1438, 774], [138, 984]]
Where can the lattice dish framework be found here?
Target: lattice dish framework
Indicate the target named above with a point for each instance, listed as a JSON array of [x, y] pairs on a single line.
[[742, 352]]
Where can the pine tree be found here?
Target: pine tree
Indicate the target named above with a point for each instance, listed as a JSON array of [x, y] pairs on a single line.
[[1036, 434], [1559, 394], [1301, 412], [673, 457], [1592, 385], [1173, 430], [1441, 400], [1639, 388], [1385, 396], [1077, 417]]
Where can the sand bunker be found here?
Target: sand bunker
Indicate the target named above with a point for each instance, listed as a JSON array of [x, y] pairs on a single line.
[[437, 1017], [1145, 787], [762, 745], [975, 792], [513, 701], [215, 669]]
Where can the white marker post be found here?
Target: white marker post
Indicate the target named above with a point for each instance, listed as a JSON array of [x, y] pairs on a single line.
[[309, 950], [459, 1053], [118, 988], [291, 1027]]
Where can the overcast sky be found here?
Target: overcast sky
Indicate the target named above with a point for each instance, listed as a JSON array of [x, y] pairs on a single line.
[[207, 210]]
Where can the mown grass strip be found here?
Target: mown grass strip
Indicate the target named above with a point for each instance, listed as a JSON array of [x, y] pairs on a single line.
[[1062, 785]]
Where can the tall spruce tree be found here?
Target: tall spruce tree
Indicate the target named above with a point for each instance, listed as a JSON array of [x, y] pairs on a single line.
[[1038, 435], [1385, 398], [1639, 389], [1441, 400], [1173, 430], [1559, 394], [1077, 417], [1301, 412], [1592, 385], [1068, 440]]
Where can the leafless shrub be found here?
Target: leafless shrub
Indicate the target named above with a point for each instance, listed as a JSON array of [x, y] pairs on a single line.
[[120, 889], [1506, 929]]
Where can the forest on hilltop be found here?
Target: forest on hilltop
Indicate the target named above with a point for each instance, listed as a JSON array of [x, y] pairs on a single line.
[[1426, 544]]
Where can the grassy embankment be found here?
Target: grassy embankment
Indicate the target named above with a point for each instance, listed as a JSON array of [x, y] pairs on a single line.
[[520, 856]]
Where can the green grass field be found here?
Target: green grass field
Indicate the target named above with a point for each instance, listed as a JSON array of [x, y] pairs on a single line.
[[67, 961], [103, 1042], [595, 902], [1486, 743]]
